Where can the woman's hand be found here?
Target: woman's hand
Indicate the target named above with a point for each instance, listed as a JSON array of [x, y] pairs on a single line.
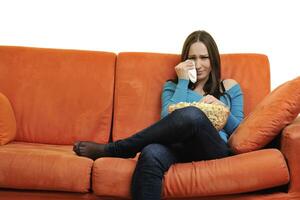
[[211, 100], [183, 68]]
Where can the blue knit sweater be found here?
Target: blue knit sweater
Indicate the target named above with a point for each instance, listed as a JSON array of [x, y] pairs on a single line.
[[175, 93]]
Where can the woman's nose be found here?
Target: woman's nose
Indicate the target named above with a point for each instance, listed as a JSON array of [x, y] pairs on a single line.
[[198, 64]]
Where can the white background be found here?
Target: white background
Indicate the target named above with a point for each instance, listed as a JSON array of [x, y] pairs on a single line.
[[269, 27]]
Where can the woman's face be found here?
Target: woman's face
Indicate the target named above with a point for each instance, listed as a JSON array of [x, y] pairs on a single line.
[[198, 52]]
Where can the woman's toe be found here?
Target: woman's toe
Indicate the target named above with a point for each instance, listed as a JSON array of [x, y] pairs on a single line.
[[76, 148]]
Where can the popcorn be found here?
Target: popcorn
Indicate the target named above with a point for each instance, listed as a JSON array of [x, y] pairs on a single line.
[[216, 113]]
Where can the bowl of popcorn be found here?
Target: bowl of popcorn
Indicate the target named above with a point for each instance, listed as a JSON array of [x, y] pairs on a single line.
[[216, 113]]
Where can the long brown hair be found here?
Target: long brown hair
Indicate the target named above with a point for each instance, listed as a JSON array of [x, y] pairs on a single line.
[[212, 86]]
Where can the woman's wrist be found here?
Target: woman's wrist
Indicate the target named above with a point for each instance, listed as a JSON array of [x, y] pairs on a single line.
[[183, 83]]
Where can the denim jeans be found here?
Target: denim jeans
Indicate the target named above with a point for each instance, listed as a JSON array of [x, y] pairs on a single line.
[[184, 135]]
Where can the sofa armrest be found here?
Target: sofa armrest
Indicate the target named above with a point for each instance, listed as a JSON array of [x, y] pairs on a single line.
[[290, 147]]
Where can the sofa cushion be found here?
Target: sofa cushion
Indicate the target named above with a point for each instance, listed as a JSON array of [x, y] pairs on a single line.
[[7, 121], [59, 96], [138, 94], [275, 112], [43, 167], [236, 174], [120, 169]]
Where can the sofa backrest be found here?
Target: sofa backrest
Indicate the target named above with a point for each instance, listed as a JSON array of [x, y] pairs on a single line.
[[59, 96], [140, 78]]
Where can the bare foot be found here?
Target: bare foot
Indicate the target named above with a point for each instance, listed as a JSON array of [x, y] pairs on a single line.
[[91, 150]]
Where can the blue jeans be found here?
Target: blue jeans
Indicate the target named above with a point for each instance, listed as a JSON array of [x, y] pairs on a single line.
[[185, 135]]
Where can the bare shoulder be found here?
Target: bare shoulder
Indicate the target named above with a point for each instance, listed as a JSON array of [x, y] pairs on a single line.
[[229, 83]]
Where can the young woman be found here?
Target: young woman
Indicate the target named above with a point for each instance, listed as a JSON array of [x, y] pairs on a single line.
[[186, 134]]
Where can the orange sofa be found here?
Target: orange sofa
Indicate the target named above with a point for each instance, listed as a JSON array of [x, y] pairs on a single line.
[[61, 96]]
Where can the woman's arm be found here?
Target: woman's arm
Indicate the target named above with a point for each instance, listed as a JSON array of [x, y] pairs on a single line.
[[173, 94], [237, 105]]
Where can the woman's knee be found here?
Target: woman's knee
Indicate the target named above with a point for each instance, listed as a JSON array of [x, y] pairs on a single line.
[[157, 155], [191, 115]]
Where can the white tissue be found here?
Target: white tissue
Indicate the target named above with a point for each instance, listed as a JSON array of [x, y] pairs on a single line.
[[193, 74]]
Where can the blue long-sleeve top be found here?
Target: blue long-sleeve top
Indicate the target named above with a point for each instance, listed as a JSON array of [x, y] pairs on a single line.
[[175, 93]]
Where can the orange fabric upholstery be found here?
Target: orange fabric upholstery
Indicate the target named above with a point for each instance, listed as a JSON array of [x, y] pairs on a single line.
[[43, 167], [139, 81], [249, 196], [45, 195], [140, 78], [120, 169], [231, 175], [58, 96], [7, 121], [49, 195], [290, 147], [238, 174], [252, 72], [275, 112]]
